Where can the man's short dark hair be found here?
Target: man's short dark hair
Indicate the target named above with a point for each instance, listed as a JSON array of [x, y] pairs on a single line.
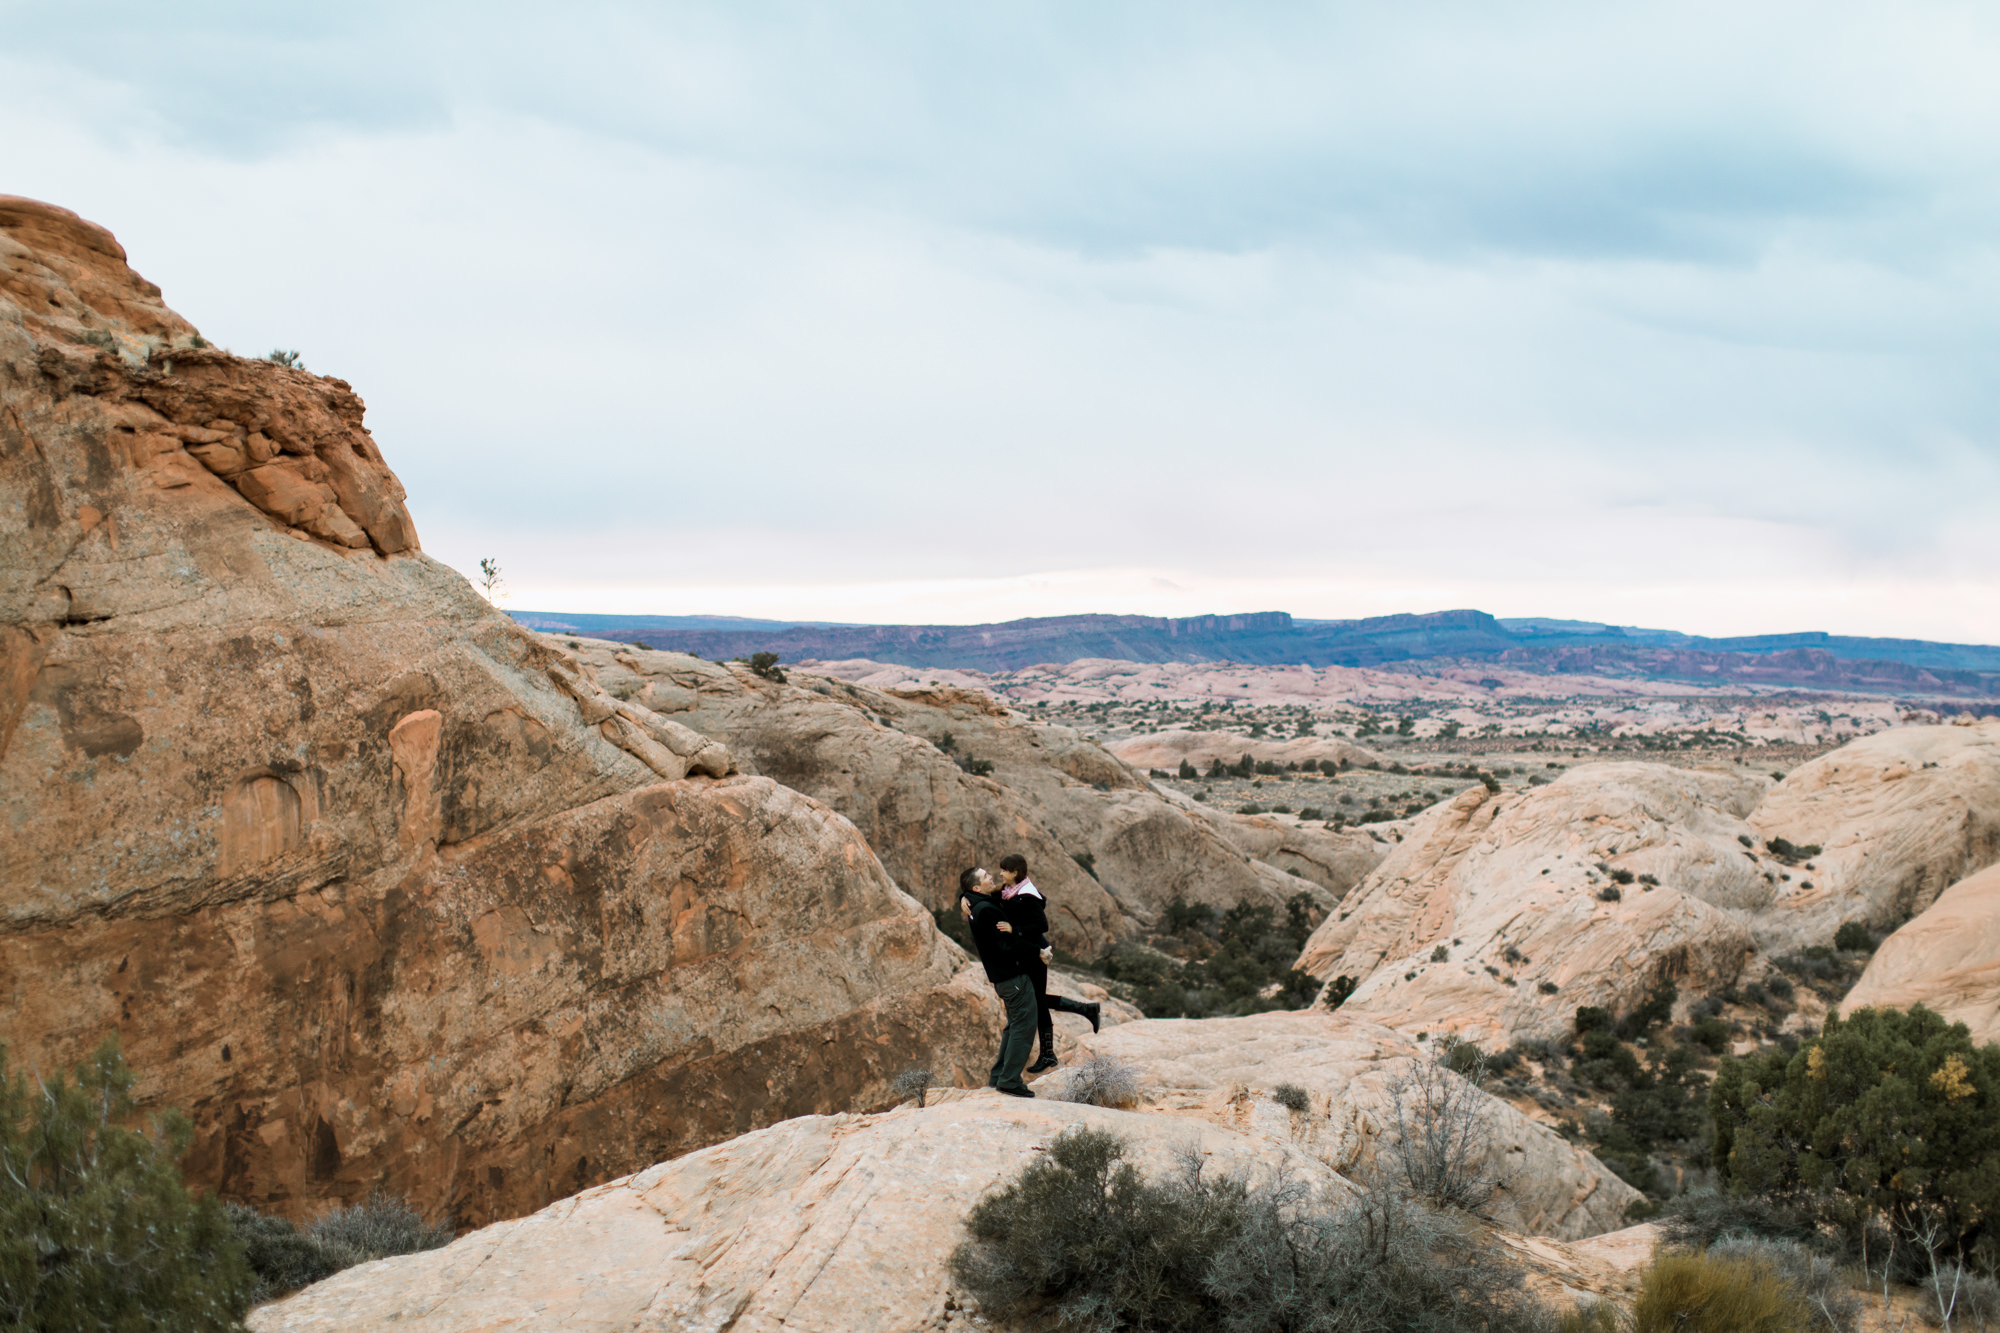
[[969, 881], [1016, 865]]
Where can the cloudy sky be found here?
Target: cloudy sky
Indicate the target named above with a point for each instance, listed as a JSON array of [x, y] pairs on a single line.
[[1678, 315]]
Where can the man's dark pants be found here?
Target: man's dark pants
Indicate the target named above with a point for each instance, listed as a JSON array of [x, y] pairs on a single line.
[[1018, 994]]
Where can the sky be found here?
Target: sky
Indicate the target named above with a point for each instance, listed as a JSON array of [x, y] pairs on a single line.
[[1674, 315]]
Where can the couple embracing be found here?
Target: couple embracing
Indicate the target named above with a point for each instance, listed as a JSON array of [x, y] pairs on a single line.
[[1010, 925]]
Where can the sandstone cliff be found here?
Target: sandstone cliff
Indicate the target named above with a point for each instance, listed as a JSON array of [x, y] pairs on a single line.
[[1500, 914], [378, 887], [891, 763]]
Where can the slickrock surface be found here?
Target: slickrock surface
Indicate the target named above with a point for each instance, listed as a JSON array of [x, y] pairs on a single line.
[[831, 1222], [1521, 890], [889, 762], [848, 1222], [1898, 816], [1222, 1070], [375, 885], [1947, 959], [1509, 886]]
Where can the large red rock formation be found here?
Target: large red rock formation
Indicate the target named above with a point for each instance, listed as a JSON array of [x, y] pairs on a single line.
[[379, 888]]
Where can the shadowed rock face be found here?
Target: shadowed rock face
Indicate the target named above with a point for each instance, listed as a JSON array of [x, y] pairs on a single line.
[[377, 886]]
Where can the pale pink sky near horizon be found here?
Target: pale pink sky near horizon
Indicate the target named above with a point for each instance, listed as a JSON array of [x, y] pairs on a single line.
[[1674, 316]]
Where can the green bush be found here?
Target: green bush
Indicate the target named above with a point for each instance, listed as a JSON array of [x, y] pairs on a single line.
[[1694, 1293], [766, 665], [1080, 1240], [97, 1229], [1854, 937], [285, 1258], [1891, 1113]]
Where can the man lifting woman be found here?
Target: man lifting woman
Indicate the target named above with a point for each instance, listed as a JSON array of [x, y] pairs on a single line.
[[1010, 926]]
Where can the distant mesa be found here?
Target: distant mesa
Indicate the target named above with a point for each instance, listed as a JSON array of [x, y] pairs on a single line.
[[1274, 638]]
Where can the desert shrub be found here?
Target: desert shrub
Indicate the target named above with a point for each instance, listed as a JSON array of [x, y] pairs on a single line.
[[1102, 1080], [1886, 1113], [1080, 1240], [284, 358], [1338, 990], [1250, 808], [1814, 1277], [281, 1257], [1547, 987], [1957, 1299], [1441, 954], [380, 1227], [978, 768], [1311, 812], [1710, 1031], [1621, 876], [1854, 937], [97, 1229], [1609, 893], [1183, 916], [1292, 1097], [1439, 1115], [1699, 1218], [914, 1082], [1694, 1293], [1086, 861], [1791, 852], [1186, 770]]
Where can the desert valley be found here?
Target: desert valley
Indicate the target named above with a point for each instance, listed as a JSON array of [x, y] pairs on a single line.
[[639, 976]]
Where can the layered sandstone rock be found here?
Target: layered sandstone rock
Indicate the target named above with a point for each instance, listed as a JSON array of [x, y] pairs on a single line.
[[892, 764], [1898, 816], [379, 888], [1500, 914], [1947, 959], [849, 1222], [1521, 892], [1222, 1070]]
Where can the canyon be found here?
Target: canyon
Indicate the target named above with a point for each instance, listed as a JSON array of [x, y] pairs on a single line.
[[615, 954]]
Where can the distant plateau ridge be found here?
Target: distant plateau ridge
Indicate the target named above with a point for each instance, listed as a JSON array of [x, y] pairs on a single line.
[[1272, 638]]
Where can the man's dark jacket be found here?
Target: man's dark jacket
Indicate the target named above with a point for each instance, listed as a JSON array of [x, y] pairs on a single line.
[[1003, 955]]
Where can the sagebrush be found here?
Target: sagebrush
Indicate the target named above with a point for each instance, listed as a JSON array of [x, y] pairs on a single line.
[[1082, 1241]]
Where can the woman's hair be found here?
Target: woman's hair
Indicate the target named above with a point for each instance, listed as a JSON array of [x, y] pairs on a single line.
[[969, 880], [1016, 865]]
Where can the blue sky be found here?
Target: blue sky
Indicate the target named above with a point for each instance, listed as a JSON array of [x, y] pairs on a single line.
[[1680, 315]]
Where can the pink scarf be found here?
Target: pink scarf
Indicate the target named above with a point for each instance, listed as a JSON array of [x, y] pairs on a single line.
[[1025, 886]]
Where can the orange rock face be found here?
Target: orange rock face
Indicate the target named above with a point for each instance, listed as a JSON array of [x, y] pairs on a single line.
[[380, 889]]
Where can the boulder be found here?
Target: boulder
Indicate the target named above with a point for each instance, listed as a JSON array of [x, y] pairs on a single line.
[[1947, 959], [1223, 1070], [939, 778], [1501, 913], [372, 883], [1897, 816]]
